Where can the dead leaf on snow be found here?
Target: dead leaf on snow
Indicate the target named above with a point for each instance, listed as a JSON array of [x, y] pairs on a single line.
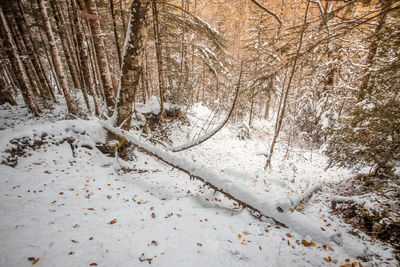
[[113, 221]]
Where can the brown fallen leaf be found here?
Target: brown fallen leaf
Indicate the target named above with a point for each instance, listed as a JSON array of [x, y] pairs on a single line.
[[245, 233], [289, 235], [113, 221], [328, 259], [153, 215], [334, 261], [305, 243], [35, 261], [93, 264], [31, 258]]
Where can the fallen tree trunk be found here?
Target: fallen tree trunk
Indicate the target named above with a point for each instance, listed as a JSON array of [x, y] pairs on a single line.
[[304, 198], [191, 172], [260, 204]]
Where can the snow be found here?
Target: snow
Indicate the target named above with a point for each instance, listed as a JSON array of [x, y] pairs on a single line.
[[78, 208]]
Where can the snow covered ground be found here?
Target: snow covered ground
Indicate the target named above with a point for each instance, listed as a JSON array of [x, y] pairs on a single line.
[[64, 204]]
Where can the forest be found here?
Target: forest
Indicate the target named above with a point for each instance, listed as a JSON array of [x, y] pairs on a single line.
[[207, 132]]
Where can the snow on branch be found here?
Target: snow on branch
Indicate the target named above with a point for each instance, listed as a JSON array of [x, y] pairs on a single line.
[[197, 24]]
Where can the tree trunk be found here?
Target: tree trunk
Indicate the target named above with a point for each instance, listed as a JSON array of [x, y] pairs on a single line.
[[62, 31], [251, 110], [7, 76], [49, 60], [132, 65], [100, 53], [267, 107], [18, 67], [20, 20], [83, 56], [51, 63], [121, 9], [5, 94], [281, 114], [115, 33], [56, 59], [161, 81], [20, 45]]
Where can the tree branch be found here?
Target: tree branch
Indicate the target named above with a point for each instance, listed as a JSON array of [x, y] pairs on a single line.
[[207, 136], [267, 10]]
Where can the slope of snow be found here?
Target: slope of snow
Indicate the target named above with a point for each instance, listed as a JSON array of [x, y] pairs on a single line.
[[66, 207]]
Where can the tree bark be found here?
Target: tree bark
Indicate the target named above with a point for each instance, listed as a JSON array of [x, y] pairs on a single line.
[[18, 67], [49, 87], [20, 45], [30, 49], [49, 60], [65, 42], [56, 59], [83, 56], [161, 80], [121, 9], [132, 62], [267, 107], [100, 53], [115, 33], [5, 94]]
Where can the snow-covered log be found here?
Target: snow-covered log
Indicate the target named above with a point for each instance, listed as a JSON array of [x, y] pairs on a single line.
[[260, 204]]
